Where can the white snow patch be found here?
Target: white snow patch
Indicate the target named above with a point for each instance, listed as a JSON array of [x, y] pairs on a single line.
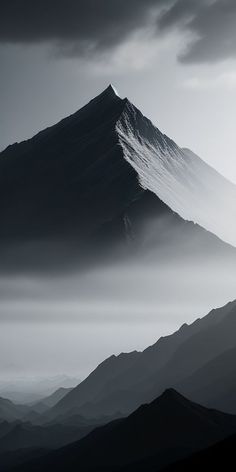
[[115, 90], [178, 177]]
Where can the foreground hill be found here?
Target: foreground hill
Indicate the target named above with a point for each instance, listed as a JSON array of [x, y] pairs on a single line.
[[171, 427], [221, 456]]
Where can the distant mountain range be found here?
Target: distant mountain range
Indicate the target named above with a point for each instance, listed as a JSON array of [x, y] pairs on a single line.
[[27, 390], [168, 429], [155, 426], [198, 360]]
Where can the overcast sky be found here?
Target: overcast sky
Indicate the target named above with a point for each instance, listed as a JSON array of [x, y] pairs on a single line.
[[175, 59]]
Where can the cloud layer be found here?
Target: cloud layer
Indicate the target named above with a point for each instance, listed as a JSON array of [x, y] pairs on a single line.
[[86, 27], [80, 26]]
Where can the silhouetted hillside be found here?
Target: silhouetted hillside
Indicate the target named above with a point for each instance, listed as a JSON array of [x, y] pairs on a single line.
[[171, 427], [21, 435], [122, 383], [221, 456], [215, 383]]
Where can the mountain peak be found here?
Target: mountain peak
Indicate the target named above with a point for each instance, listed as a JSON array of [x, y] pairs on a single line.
[[113, 89], [169, 397], [109, 94], [171, 394]]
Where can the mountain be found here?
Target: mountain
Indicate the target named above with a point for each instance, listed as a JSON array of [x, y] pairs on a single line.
[[171, 427], [23, 435], [88, 177], [220, 456], [51, 400], [108, 370], [202, 348], [214, 384], [10, 412], [29, 390], [9, 460], [56, 396], [121, 383]]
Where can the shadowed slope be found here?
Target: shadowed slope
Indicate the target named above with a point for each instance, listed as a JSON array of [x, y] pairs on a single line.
[[170, 427], [221, 456], [121, 383]]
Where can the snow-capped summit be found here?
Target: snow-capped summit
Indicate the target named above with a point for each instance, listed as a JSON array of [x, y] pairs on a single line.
[[109, 92], [114, 90]]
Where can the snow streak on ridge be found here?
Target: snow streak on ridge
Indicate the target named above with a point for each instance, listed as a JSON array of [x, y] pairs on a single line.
[[178, 177]]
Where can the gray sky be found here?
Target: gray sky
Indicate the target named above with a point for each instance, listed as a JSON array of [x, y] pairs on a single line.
[[175, 59]]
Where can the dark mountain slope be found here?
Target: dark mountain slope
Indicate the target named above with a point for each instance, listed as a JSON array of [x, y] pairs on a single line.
[[215, 383], [10, 412], [22, 435], [9, 460], [50, 400], [121, 383], [221, 456], [170, 427], [201, 348], [95, 383], [56, 181], [202, 367]]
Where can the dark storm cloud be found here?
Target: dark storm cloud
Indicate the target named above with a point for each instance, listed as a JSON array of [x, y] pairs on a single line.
[[83, 27]]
